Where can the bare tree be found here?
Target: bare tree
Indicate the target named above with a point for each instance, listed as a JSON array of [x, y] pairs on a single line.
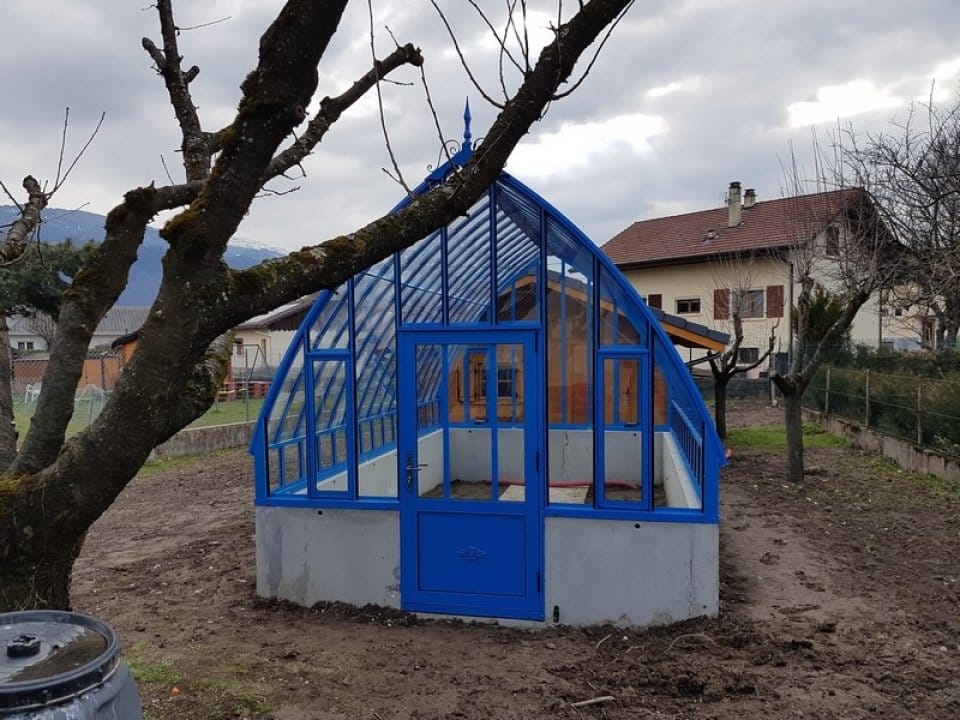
[[913, 173], [55, 488], [739, 274], [842, 243]]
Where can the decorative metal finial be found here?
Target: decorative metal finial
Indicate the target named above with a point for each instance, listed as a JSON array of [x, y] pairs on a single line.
[[467, 135]]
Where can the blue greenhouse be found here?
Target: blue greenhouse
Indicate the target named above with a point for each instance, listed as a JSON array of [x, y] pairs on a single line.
[[490, 423]]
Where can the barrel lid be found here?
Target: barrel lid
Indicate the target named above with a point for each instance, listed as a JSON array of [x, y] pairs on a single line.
[[48, 656]]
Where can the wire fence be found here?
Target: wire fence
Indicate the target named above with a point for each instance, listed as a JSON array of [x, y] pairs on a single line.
[[239, 399], [925, 411]]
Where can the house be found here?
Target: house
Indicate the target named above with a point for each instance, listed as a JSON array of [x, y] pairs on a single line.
[[698, 264], [31, 333], [259, 343]]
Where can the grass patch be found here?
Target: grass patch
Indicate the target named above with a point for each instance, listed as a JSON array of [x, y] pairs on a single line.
[[147, 668], [229, 697], [233, 411], [775, 438], [153, 467]]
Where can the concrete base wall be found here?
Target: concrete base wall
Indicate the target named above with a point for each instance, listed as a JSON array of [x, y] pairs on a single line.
[[903, 452], [597, 571], [204, 439], [610, 571], [352, 556]]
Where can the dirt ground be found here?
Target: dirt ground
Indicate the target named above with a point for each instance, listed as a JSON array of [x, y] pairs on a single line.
[[840, 599]]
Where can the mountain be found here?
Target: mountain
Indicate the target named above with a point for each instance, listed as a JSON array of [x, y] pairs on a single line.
[[144, 280]]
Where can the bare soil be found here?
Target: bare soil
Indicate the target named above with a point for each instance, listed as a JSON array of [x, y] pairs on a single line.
[[840, 599]]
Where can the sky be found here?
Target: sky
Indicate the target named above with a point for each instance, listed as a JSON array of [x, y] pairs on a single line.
[[685, 97]]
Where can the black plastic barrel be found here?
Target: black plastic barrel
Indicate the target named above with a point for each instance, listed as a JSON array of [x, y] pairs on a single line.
[[63, 666]]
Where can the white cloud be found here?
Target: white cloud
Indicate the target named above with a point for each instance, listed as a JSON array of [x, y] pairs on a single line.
[[944, 78], [661, 90], [577, 144], [836, 101]]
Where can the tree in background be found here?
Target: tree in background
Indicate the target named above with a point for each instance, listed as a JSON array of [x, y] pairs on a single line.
[[739, 274], [913, 175], [843, 242], [53, 489], [824, 310], [32, 284]]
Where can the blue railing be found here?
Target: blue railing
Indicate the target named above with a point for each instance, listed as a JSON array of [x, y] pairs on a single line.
[[690, 439]]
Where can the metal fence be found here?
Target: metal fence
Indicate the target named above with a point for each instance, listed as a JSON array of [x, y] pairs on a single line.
[[239, 399], [925, 411]]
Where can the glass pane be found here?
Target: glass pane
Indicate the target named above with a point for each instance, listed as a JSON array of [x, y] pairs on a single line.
[[421, 282], [511, 412], [375, 368], [679, 463], [616, 328], [470, 440], [518, 257], [469, 271], [622, 440], [331, 328], [330, 439], [427, 468], [286, 427], [569, 387]]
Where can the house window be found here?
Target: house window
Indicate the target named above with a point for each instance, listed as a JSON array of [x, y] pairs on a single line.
[[832, 243], [506, 379], [749, 303], [898, 312], [748, 355], [25, 345], [688, 306]]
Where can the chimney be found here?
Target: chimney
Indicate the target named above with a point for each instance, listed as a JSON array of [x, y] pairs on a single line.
[[733, 205], [749, 198]]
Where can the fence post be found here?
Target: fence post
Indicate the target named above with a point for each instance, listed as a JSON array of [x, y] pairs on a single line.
[[919, 411], [826, 394], [866, 419]]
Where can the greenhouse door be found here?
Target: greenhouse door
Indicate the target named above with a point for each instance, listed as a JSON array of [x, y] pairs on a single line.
[[471, 527]]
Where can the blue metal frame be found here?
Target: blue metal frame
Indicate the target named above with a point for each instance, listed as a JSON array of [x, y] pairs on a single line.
[[457, 278], [491, 533]]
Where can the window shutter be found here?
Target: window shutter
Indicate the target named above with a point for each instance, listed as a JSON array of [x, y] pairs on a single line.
[[774, 301], [655, 300], [721, 304]]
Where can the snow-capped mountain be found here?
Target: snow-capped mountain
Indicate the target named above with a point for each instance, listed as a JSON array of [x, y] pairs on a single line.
[[144, 281]]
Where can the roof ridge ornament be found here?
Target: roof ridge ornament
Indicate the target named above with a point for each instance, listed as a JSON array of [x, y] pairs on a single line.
[[467, 135]]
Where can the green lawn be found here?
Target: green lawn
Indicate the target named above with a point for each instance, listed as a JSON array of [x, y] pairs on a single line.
[[221, 413], [776, 437]]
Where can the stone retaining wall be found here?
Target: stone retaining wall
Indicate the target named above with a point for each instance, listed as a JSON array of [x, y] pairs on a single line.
[[903, 452], [194, 441]]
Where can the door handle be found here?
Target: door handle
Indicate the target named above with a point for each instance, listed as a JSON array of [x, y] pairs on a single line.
[[412, 469]]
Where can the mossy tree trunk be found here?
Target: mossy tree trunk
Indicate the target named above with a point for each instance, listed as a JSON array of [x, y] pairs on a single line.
[[55, 488]]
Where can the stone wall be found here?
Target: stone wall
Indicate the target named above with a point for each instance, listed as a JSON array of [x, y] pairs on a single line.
[[193, 441]]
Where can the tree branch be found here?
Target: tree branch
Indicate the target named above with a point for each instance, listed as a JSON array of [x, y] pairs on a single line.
[[194, 145], [328, 265], [332, 108], [15, 242]]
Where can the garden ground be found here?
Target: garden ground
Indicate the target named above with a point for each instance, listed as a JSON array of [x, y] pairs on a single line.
[[839, 599]]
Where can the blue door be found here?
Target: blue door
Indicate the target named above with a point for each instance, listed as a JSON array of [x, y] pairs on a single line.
[[471, 526]]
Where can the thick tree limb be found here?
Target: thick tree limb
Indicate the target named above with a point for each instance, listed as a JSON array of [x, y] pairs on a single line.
[[95, 289], [15, 242], [8, 433], [329, 264]]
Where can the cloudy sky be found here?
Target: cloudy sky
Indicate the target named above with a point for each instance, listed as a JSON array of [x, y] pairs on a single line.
[[686, 96]]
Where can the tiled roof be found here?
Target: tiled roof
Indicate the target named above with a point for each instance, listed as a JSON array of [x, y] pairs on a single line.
[[767, 225], [263, 322], [122, 320], [117, 321]]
